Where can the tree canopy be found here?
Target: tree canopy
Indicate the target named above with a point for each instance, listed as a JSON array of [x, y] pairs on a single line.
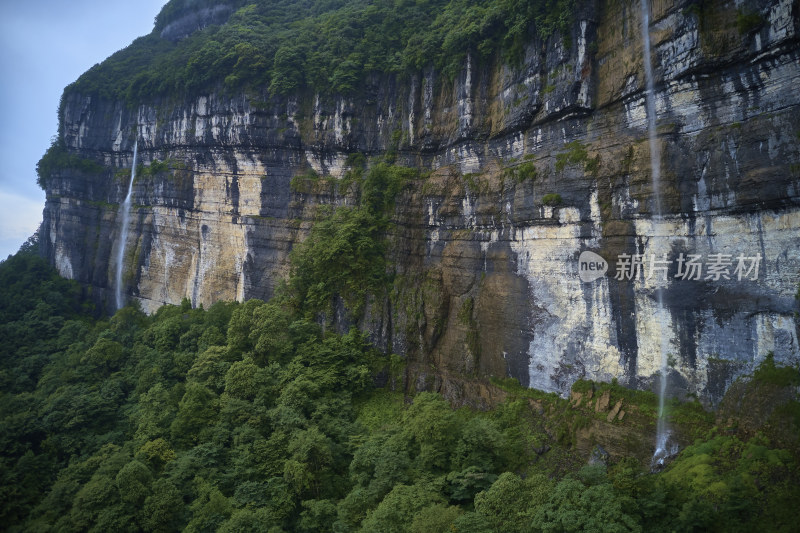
[[329, 46]]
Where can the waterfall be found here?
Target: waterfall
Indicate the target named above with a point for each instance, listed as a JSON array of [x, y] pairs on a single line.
[[125, 212], [662, 430]]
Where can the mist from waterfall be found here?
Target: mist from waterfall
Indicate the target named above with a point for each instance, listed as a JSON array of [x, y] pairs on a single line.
[[662, 430], [125, 212]]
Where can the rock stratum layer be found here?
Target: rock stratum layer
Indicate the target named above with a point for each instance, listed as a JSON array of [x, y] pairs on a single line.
[[530, 165]]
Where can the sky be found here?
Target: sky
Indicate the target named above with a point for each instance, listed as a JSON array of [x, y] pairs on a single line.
[[44, 46]]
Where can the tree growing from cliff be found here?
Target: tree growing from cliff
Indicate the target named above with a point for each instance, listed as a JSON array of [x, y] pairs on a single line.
[[344, 255]]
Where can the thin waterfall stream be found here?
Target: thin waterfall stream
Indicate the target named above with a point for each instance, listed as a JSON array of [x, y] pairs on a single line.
[[125, 212], [662, 429]]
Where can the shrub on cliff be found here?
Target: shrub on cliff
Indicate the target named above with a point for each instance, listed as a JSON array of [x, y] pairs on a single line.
[[58, 158], [344, 254]]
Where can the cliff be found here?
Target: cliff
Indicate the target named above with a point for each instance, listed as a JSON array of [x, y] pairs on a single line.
[[525, 166]]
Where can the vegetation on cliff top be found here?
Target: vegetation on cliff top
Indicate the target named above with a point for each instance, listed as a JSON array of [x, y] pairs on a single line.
[[329, 46]]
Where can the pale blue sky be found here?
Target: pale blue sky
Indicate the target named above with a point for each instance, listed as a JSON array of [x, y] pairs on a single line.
[[44, 46]]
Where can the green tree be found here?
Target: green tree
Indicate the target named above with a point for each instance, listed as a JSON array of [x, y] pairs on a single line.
[[480, 445], [287, 72], [318, 516], [244, 380], [155, 413], [133, 482], [510, 503], [431, 423], [163, 509], [435, 519], [104, 356], [575, 507], [210, 368], [209, 510], [197, 412], [156, 453], [396, 512]]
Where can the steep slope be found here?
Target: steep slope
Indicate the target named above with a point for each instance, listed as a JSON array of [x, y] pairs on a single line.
[[525, 165]]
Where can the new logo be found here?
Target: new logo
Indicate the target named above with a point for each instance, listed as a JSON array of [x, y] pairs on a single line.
[[591, 266]]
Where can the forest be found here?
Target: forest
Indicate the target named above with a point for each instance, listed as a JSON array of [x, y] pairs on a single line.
[[330, 46]]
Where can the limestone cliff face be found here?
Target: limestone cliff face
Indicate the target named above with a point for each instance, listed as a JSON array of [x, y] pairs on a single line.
[[530, 166]]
